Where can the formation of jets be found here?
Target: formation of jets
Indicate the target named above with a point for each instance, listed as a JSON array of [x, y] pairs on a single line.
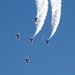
[[27, 59], [30, 40]]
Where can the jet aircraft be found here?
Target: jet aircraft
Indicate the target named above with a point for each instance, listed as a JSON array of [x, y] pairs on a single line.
[[47, 41], [18, 36], [36, 19], [31, 40], [26, 60]]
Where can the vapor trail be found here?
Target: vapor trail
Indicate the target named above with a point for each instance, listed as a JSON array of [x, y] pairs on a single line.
[[56, 14], [42, 8]]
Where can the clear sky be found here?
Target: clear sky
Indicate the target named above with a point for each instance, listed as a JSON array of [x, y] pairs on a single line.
[[56, 59]]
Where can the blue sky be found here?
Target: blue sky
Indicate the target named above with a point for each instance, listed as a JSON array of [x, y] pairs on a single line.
[[56, 59]]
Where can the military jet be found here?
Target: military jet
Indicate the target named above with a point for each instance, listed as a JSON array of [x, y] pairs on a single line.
[[35, 20], [31, 40], [47, 41], [18, 36], [26, 60]]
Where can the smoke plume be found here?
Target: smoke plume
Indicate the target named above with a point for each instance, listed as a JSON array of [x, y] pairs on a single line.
[[56, 14], [42, 8]]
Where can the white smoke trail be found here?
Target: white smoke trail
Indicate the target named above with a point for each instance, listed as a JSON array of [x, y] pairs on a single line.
[[42, 8], [56, 14]]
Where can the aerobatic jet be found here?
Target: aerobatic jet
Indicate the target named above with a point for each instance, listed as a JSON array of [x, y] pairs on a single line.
[[35, 20], [31, 40], [47, 41], [18, 36], [27, 59]]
